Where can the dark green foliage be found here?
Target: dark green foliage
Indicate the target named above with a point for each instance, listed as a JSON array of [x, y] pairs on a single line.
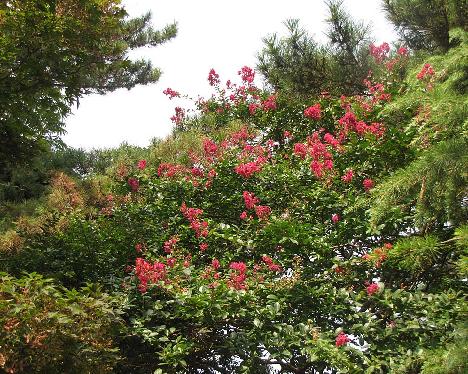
[[425, 24], [298, 65], [52, 53]]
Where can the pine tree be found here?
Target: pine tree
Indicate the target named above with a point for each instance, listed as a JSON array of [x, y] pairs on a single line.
[[301, 66], [55, 51], [425, 24]]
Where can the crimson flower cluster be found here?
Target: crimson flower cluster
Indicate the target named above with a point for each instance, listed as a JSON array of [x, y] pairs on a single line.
[[238, 276], [379, 52], [148, 273], [251, 201], [341, 339], [426, 71], [171, 93], [192, 215], [313, 112]]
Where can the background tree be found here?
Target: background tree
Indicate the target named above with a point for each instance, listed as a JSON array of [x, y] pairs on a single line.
[[55, 51], [299, 65], [425, 24]]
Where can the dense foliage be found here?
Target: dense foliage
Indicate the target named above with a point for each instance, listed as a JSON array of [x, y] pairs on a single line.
[[51, 54], [271, 232]]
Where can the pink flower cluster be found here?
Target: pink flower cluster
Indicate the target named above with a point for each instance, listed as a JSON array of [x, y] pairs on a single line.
[[134, 184], [248, 169], [313, 112], [171, 170], [169, 245], [379, 52], [368, 184], [315, 148], [141, 165], [269, 103], [209, 147], [171, 93], [247, 74], [251, 201], [426, 71], [349, 122], [348, 176], [148, 273], [213, 78], [238, 276], [179, 115], [193, 215], [372, 289], [341, 339], [271, 265]]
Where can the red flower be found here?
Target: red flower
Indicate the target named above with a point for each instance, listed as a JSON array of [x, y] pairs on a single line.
[[134, 184], [335, 218], [252, 108], [213, 78], [372, 289], [138, 247], [403, 51], [246, 170], [379, 52], [300, 150], [270, 103], [317, 168], [286, 134], [171, 262], [427, 70], [243, 215], [368, 184], [209, 147], [250, 199], [169, 245], [348, 177], [179, 115], [262, 211], [313, 112], [247, 74], [215, 264], [341, 339], [171, 93], [141, 164], [203, 247]]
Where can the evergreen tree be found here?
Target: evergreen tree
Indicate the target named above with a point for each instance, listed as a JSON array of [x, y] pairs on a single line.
[[55, 51], [299, 65], [425, 24]]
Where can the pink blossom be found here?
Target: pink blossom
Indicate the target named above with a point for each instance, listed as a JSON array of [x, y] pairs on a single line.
[[270, 103], [368, 184], [341, 339], [213, 78], [247, 74], [335, 218], [262, 211], [215, 263], [348, 177], [141, 164], [250, 199], [372, 289], [171, 93], [134, 184], [313, 112]]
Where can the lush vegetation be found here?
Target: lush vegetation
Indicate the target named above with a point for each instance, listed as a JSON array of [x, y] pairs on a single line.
[[293, 231]]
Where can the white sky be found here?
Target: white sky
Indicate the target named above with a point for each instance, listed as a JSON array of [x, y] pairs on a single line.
[[224, 35]]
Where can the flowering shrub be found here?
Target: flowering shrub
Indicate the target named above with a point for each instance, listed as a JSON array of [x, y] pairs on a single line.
[[255, 248]]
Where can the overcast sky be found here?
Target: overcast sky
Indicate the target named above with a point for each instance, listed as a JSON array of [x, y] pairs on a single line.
[[224, 35]]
